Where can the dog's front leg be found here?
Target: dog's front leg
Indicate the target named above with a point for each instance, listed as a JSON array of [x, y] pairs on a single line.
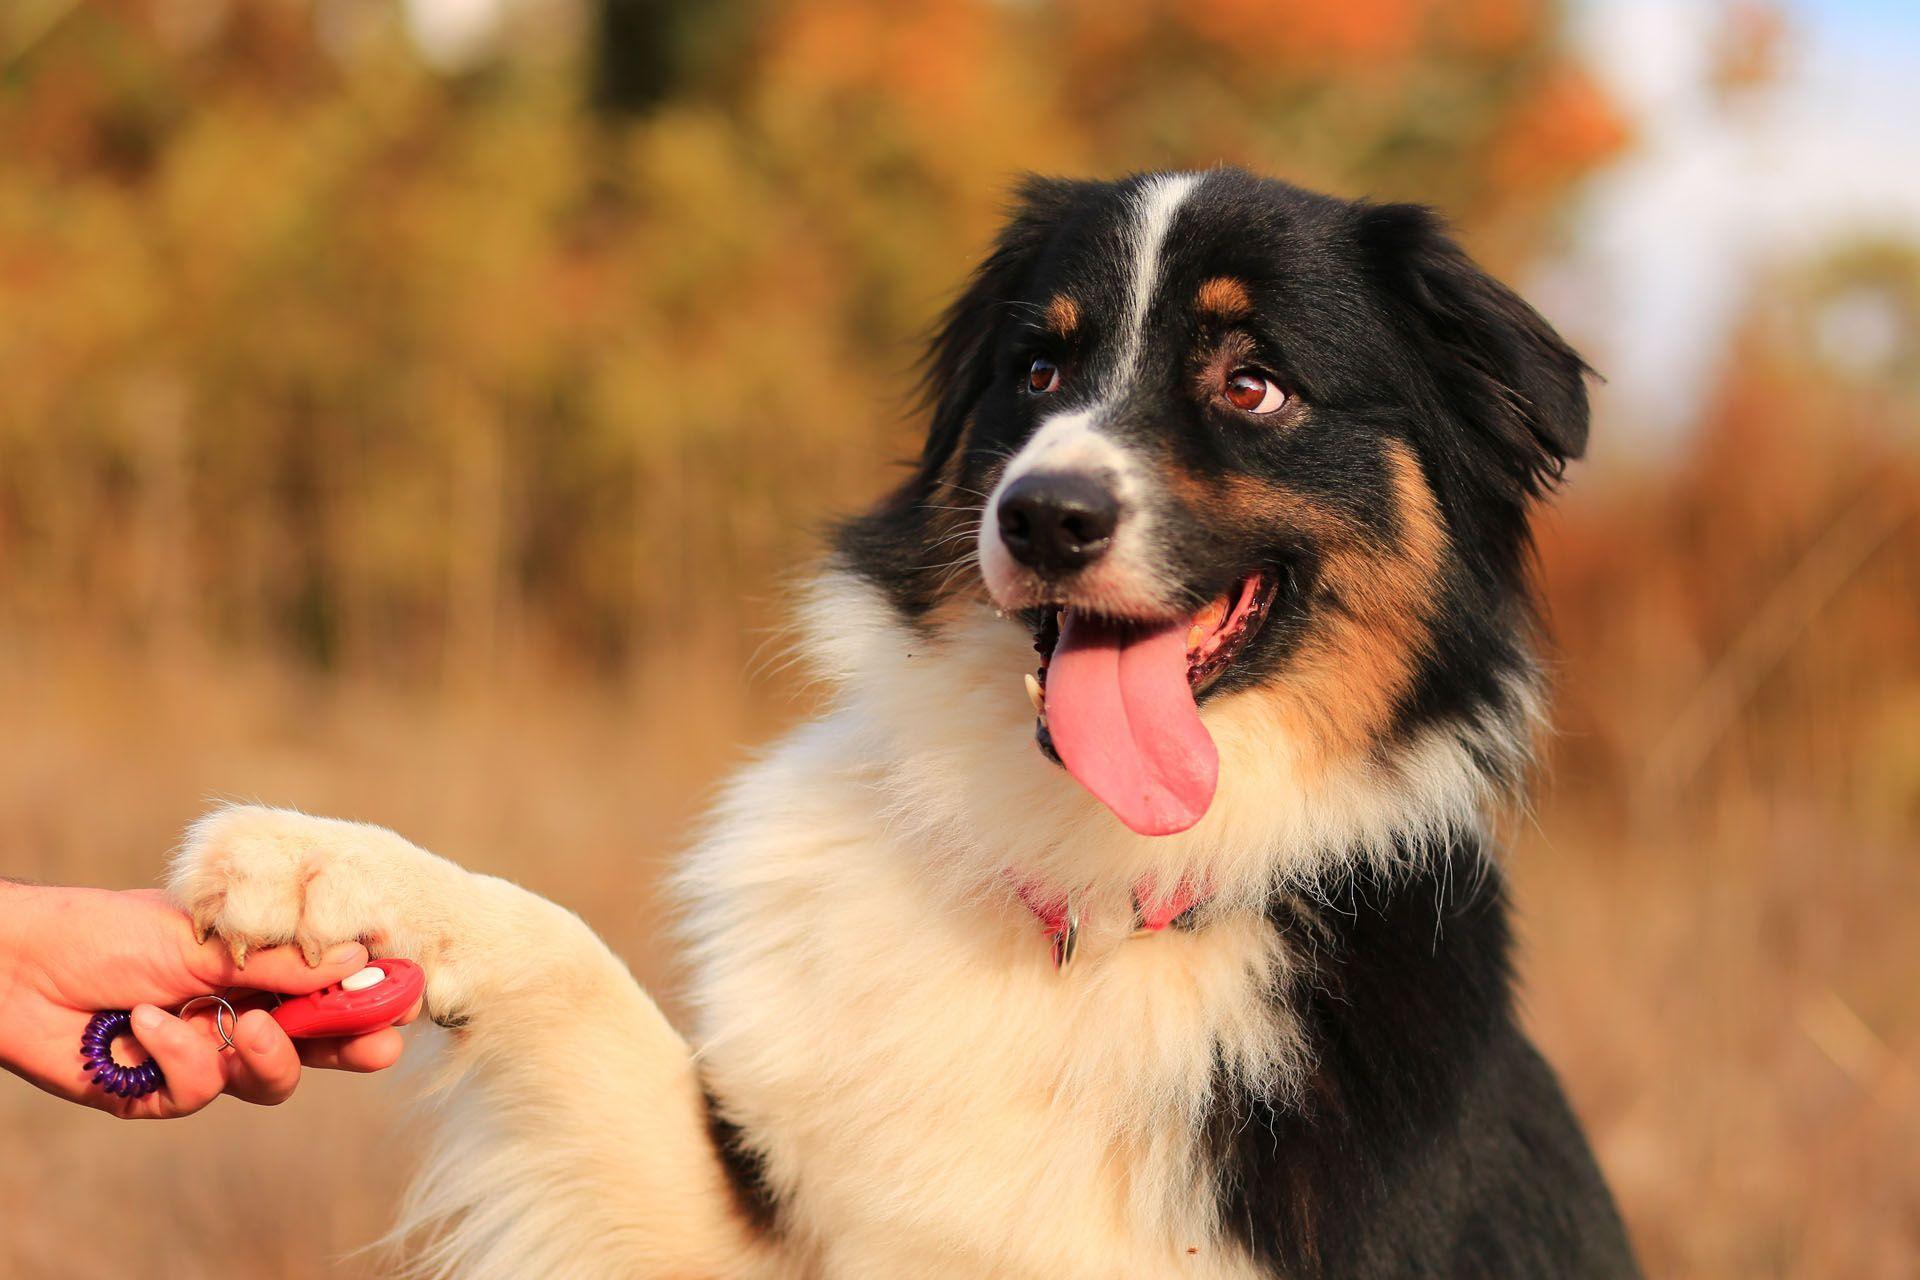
[[579, 1144]]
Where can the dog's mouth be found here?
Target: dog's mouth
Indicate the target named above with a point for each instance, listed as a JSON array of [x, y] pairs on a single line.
[[1118, 701]]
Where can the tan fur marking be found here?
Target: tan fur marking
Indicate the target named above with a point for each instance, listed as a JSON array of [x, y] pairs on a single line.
[[1062, 315], [1369, 624], [1223, 298], [1361, 659]]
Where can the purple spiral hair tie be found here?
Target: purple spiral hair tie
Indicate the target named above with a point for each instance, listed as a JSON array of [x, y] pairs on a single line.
[[96, 1045]]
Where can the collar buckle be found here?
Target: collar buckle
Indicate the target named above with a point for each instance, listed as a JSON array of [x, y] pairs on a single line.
[[1066, 939]]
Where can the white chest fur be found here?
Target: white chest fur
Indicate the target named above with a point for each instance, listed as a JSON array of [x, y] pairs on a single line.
[[932, 1098]]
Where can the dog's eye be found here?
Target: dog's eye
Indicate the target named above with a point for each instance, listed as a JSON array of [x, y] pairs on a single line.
[[1252, 392], [1043, 378]]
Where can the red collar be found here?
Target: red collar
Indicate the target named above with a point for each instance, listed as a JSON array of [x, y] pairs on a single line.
[[1061, 922]]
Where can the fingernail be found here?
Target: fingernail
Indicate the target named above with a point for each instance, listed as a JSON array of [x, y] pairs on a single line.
[[147, 1018], [340, 953], [262, 1037]]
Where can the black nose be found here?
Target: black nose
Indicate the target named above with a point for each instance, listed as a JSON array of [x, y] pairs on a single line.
[[1056, 522]]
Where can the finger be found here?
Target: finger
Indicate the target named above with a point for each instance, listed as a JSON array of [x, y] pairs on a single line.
[[413, 1011], [375, 1051], [189, 1061], [281, 969], [263, 1068]]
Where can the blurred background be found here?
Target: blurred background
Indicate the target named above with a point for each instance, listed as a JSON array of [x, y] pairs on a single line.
[[417, 411]]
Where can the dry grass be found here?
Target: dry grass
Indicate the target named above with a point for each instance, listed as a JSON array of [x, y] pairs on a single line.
[[1736, 1015], [574, 794], [1728, 991]]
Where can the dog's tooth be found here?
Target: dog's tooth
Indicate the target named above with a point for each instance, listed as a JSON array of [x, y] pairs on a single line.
[[1036, 695]]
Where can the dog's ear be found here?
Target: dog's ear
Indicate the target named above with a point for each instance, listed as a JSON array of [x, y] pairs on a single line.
[[1497, 364], [959, 361]]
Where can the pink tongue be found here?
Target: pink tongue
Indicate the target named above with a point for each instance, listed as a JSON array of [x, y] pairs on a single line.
[[1122, 718]]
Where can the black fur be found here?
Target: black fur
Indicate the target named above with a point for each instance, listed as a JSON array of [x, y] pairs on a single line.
[[1431, 1139], [745, 1171]]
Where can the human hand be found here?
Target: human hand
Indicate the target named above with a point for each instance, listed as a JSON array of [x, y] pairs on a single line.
[[67, 953]]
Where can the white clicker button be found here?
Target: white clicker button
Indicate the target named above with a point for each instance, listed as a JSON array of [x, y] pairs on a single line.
[[371, 976]]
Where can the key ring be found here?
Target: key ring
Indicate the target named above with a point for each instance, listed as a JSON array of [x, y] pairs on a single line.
[[96, 1047], [233, 1019]]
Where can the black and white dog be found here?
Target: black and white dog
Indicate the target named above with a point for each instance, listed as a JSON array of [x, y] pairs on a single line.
[[1175, 948]]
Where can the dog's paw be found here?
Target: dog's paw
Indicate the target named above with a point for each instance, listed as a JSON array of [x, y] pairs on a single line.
[[258, 877]]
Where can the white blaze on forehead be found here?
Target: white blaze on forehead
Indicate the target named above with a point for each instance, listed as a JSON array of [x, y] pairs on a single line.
[[1075, 440], [1154, 207]]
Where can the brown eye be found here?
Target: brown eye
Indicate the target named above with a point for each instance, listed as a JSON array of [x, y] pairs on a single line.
[[1252, 392], [1043, 378]]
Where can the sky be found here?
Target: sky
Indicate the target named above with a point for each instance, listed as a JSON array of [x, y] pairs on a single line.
[[1669, 241]]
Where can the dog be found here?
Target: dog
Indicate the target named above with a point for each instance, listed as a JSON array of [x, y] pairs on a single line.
[[1131, 909]]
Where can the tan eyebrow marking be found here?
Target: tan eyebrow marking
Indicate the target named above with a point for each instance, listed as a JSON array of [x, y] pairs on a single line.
[[1062, 315], [1224, 298]]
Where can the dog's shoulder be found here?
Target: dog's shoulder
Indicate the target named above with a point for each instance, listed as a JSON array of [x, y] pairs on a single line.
[[1428, 1136]]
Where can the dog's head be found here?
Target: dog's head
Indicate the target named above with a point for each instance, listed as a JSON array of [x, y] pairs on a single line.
[[1212, 437]]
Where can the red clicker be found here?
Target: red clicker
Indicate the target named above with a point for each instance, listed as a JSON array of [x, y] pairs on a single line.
[[375, 997]]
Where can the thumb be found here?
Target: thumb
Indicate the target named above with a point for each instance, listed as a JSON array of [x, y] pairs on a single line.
[[282, 969], [189, 1063]]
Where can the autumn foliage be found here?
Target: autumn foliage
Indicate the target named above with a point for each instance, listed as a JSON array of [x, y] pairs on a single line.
[[318, 349]]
